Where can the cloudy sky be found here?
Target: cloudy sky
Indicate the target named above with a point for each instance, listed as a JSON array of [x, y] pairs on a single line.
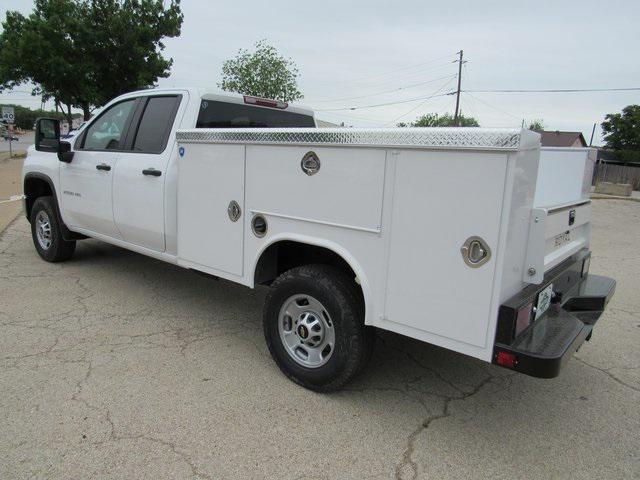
[[363, 53]]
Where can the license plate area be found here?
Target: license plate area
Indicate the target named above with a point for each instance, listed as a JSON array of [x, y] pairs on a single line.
[[544, 300], [562, 239]]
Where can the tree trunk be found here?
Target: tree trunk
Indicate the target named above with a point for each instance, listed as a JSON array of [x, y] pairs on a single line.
[[86, 111], [66, 114], [69, 117]]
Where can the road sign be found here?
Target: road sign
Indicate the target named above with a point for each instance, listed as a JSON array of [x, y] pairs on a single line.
[[8, 115]]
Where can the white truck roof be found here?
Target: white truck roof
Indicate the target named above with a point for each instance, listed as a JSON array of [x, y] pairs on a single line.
[[206, 94]]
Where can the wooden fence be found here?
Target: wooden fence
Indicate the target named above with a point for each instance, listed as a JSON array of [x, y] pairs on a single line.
[[608, 172]]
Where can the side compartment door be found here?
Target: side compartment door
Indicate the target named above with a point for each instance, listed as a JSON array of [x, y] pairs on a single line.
[[86, 182], [140, 174], [440, 200], [210, 184]]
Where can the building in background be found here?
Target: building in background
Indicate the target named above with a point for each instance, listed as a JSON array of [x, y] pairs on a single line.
[[562, 139]]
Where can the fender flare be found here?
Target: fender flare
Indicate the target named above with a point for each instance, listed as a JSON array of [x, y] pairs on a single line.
[[333, 247], [66, 233]]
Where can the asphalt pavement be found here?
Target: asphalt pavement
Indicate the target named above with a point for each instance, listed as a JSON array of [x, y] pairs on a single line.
[[24, 141], [115, 365]]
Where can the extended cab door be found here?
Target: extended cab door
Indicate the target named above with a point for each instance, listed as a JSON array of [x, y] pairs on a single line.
[[86, 182], [141, 172]]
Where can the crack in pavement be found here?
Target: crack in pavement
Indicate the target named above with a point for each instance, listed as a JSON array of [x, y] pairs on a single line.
[[173, 447], [98, 328], [609, 374], [407, 468], [114, 437], [407, 460]]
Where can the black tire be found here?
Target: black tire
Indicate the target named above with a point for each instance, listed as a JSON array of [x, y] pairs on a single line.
[[58, 249], [341, 298]]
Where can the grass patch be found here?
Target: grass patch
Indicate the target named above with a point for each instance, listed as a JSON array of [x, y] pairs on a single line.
[[17, 154]]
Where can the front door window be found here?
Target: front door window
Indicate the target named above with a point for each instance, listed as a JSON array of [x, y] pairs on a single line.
[[107, 132]]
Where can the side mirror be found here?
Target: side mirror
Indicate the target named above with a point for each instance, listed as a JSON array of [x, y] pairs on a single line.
[[47, 135], [64, 152], [48, 139]]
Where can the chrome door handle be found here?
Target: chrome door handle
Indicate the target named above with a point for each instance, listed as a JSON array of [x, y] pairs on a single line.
[[103, 166], [151, 171]]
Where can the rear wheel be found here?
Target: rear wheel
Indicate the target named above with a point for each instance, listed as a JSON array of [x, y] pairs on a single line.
[[314, 328], [46, 232]]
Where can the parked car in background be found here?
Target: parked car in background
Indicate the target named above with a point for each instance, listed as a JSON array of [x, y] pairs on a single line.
[[6, 134], [72, 133], [10, 137]]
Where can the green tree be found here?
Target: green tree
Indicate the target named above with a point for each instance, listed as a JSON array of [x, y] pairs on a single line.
[[262, 73], [82, 53], [26, 117], [536, 125], [446, 120], [622, 130]]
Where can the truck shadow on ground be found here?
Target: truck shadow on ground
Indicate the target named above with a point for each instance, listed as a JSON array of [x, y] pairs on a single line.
[[418, 382], [404, 363]]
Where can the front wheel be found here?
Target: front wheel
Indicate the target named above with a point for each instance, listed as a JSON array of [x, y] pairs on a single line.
[[314, 328], [46, 232]]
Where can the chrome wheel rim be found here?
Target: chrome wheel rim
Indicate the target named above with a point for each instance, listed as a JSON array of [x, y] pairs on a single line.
[[43, 230], [306, 331]]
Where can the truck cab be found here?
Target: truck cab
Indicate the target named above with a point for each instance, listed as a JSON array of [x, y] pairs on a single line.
[[118, 180]]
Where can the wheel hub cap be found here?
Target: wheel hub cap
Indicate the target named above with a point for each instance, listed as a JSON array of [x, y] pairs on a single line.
[[43, 230], [306, 331]]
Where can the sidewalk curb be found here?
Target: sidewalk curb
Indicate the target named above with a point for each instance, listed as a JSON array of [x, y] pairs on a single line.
[[9, 224], [600, 196]]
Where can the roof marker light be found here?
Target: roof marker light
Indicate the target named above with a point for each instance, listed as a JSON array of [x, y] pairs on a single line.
[[265, 102]]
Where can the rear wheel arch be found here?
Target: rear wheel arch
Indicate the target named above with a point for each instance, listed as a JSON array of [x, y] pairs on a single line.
[[312, 321], [286, 252]]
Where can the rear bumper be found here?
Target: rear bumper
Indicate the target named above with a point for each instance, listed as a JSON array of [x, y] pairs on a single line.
[[543, 346]]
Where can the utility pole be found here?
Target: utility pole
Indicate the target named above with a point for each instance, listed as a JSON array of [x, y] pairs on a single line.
[[592, 133], [455, 117]]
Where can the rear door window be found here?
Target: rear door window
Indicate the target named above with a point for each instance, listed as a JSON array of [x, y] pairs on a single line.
[[155, 124], [232, 115]]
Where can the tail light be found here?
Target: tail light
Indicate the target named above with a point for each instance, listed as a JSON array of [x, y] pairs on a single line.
[[265, 102], [506, 359]]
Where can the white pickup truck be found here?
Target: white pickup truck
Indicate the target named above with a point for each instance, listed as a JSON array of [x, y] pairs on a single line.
[[476, 240]]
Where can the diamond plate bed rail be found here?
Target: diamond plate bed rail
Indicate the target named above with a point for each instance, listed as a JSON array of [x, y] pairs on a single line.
[[471, 138]]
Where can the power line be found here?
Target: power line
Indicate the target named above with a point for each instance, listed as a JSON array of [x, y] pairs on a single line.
[[471, 104], [561, 90], [383, 104], [420, 104], [345, 116], [406, 87], [391, 72], [410, 67], [491, 106]]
